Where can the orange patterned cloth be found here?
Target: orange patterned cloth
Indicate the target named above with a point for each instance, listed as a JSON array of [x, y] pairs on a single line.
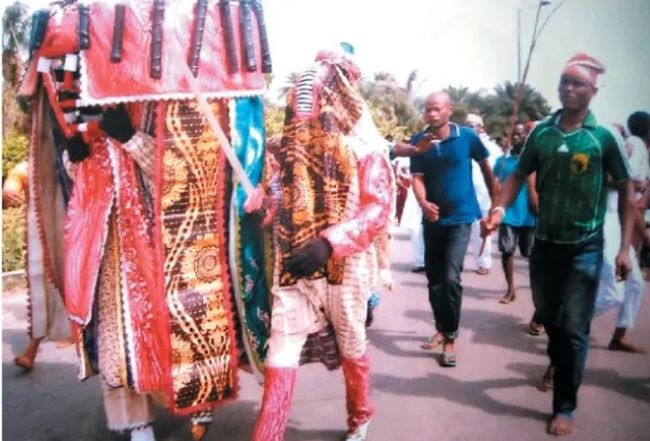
[[191, 190], [316, 167]]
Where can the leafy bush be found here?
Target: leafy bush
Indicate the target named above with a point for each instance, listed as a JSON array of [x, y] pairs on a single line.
[[14, 227], [14, 150]]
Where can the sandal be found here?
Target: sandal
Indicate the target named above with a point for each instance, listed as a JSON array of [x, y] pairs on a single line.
[[483, 271], [431, 343], [535, 328], [448, 359]]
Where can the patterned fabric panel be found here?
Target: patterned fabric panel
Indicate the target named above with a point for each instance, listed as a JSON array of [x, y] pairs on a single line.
[[110, 326], [195, 269], [315, 166], [246, 242]]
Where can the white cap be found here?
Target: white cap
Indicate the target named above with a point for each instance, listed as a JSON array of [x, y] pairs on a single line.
[[474, 119]]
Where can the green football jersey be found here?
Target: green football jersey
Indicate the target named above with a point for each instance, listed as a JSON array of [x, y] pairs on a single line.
[[571, 169]]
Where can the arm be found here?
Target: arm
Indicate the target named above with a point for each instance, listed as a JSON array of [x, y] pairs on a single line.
[[533, 197], [376, 195], [403, 149], [626, 216], [488, 177], [506, 197], [429, 209]]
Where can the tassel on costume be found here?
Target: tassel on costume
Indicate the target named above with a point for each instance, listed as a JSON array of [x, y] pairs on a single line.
[[274, 415]]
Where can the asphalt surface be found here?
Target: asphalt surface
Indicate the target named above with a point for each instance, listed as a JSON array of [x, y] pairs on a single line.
[[491, 395]]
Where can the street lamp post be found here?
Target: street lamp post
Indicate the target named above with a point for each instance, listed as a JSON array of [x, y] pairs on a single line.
[[521, 78], [541, 4]]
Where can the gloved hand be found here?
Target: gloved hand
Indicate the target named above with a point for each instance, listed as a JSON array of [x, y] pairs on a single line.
[[77, 149], [116, 123], [309, 258]]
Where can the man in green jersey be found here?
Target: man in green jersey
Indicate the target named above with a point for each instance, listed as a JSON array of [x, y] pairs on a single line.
[[573, 157]]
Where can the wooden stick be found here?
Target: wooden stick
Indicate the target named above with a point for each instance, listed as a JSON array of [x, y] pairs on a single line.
[[216, 128]]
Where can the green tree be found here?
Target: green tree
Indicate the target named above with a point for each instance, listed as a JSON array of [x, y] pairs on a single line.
[[15, 26], [390, 105], [533, 106]]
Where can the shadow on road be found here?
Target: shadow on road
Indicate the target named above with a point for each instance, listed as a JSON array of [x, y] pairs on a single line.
[[463, 392], [491, 328], [638, 388]]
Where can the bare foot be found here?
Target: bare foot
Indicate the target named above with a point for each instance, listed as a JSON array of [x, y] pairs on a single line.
[[508, 297], [432, 342], [199, 430], [24, 362], [64, 343], [559, 425], [547, 379], [625, 346]]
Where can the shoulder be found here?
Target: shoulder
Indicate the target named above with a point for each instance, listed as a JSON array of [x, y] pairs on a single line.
[[609, 136], [544, 124], [467, 133], [635, 146]]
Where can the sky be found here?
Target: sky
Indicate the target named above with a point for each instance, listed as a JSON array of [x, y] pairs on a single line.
[[471, 43]]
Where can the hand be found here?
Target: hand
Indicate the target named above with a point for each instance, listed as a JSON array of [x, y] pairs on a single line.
[[623, 265], [533, 205], [116, 123], [260, 206], [77, 149], [426, 142], [386, 279], [255, 200], [430, 211], [305, 261], [490, 223]]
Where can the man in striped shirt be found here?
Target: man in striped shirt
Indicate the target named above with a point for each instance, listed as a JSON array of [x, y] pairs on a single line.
[[572, 155]]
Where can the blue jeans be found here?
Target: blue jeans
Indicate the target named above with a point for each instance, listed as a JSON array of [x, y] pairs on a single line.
[[564, 280], [444, 250]]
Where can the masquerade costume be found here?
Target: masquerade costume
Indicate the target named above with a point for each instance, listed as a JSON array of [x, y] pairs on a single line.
[[154, 226], [334, 190]]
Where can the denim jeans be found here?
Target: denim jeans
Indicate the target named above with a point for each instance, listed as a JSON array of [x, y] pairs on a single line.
[[564, 280], [444, 250]]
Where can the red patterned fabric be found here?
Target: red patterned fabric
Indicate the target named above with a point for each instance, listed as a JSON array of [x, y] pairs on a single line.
[[357, 390], [276, 404], [85, 231], [148, 318], [130, 79], [61, 34], [375, 184]]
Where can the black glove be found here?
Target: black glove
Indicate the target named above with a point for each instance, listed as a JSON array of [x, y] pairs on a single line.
[[117, 124], [77, 149], [309, 258]]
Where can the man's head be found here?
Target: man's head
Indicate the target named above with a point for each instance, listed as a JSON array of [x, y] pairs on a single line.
[[518, 137], [437, 109], [475, 121], [639, 125], [578, 82]]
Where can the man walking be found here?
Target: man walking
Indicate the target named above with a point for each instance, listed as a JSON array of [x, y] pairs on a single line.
[[442, 183], [518, 225], [571, 155], [482, 251]]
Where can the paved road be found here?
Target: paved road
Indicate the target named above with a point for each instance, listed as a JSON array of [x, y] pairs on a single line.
[[491, 395]]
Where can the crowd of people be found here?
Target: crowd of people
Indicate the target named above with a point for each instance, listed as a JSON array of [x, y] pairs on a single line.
[[567, 191], [570, 193]]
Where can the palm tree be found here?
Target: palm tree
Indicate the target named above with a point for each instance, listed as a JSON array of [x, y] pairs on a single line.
[[290, 81]]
